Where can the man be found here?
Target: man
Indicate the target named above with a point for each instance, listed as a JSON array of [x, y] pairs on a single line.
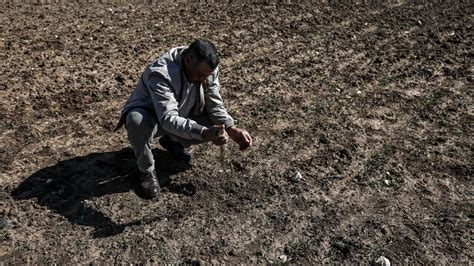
[[178, 99]]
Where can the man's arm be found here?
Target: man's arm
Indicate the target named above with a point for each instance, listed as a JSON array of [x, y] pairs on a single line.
[[218, 114], [166, 107], [214, 104]]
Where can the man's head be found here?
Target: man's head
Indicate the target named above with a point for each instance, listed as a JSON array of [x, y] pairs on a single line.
[[199, 60]]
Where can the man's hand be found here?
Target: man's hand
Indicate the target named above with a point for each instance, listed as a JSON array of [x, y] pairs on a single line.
[[216, 134], [241, 137]]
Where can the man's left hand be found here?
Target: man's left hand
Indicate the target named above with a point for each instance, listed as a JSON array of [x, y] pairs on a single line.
[[241, 137]]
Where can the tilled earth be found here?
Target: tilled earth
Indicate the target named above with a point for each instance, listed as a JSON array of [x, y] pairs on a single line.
[[372, 104]]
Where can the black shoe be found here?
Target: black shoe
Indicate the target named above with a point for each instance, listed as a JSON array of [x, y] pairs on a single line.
[[175, 148], [147, 186]]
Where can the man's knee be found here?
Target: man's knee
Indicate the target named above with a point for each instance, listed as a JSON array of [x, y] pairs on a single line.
[[139, 119], [134, 119]]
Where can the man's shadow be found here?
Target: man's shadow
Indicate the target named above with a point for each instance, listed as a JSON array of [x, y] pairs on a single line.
[[65, 187]]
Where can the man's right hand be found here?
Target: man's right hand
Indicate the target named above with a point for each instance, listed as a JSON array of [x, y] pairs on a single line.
[[216, 134]]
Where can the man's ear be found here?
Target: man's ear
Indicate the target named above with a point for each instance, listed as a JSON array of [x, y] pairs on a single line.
[[188, 60]]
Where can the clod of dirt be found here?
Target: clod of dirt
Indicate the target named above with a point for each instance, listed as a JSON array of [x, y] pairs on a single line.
[[323, 140], [283, 258], [297, 178], [3, 222], [119, 78], [382, 261]]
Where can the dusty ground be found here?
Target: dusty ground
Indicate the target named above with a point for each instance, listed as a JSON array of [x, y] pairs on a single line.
[[373, 104]]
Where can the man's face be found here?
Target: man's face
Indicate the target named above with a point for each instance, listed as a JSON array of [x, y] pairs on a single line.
[[197, 73]]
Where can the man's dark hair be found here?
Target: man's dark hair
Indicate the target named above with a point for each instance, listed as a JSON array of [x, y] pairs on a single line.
[[203, 51]]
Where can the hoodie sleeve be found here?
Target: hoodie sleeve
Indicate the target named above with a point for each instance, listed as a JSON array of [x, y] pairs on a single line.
[[214, 104], [166, 107]]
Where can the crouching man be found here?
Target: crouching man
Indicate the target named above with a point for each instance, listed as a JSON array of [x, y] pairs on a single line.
[[177, 99]]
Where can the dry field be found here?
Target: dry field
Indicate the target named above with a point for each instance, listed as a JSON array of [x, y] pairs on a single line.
[[371, 103]]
